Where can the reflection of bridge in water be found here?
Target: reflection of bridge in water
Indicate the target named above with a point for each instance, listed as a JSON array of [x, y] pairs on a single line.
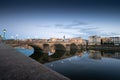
[[44, 57], [63, 50], [93, 54], [57, 50]]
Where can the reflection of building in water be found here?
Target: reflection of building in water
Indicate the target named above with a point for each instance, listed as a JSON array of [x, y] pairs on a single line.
[[94, 40], [111, 55], [95, 54], [79, 53], [117, 55]]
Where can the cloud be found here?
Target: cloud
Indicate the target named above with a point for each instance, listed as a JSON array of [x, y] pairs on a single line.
[[76, 29], [76, 23], [73, 25], [88, 28], [59, 25], [110, 34], [43, 26]]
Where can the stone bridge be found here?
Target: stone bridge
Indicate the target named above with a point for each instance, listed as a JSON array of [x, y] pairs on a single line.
[[50, 51], [57, 50], [52, 47]]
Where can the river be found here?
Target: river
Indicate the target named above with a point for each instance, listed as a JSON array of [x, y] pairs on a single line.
[[87, 65]]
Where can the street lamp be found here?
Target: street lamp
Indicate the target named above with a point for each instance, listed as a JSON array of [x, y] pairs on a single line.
[[4, 31], [16, 36]]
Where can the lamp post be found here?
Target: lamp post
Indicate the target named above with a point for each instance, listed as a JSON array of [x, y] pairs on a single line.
[[16, 36], [64, 38], [17, 40], [4, 31]]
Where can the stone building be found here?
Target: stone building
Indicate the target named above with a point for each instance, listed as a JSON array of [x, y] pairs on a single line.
[[94, 40], [78, 40], [111, 40]]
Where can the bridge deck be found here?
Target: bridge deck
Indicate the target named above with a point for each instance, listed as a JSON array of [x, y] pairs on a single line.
[[16, 66]]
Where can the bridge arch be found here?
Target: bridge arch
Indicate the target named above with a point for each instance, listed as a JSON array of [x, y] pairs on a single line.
[[59, 51], [60, 47], [73, 48], [38, 52], [46, 48], [45, 45]]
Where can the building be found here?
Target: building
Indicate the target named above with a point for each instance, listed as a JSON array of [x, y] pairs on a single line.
[[106, 40], [53, 39], [110, 40], [94, 40], [78, 40], [115, 40]]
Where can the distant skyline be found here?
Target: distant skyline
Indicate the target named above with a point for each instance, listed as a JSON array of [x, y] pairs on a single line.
[[56, 18]]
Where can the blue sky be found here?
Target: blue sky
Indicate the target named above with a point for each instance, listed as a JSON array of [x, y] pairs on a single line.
[[56, 18]]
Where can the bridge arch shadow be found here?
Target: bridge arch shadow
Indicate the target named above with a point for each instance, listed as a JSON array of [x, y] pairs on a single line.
[[73, 48], [46, 48], [38, 52], [59, 51]]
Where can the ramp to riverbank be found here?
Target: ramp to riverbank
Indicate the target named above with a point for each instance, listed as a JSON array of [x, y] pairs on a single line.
[[17, 66]]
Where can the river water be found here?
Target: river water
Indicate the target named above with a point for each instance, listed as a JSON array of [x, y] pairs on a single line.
[[26, 52], [87, 65]]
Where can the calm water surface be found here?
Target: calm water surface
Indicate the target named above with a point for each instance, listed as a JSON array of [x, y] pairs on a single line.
[[27, 52], [89, 65]]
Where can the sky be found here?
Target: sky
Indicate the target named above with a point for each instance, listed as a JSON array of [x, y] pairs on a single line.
[[55, 18]]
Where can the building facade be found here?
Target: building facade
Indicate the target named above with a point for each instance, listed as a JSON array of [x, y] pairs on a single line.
[[94, 40], [115, 40], [110, 40], [106, 40], [78, 40]]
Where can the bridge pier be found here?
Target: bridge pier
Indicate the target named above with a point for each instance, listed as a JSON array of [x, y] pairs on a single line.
[[67, 47]]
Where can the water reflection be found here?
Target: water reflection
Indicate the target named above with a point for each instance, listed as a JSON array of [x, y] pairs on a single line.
[[25, 51], [58, 54], [89, 65], [46, 57], [93, 54], [84, 65]]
